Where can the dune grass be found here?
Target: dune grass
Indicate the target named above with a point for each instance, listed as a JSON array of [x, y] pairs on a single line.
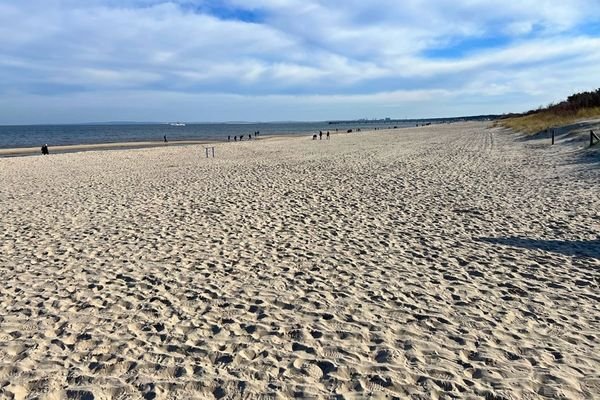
[[545, 119]]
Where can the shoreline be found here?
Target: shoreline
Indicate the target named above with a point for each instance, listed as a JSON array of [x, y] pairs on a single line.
[[83, 147], [79, 148]]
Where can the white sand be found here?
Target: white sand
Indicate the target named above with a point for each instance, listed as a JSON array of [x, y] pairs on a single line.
[[446, 262], [27, 151]]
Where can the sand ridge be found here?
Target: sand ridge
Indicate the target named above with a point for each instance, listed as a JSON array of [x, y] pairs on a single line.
[[451, 261]]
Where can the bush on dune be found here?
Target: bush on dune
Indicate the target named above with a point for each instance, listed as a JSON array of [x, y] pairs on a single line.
[[579, 106]]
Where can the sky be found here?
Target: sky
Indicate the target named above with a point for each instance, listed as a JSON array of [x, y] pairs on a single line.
[[71, 61]]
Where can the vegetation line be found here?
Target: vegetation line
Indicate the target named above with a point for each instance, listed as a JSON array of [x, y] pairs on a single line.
[[577, 107]]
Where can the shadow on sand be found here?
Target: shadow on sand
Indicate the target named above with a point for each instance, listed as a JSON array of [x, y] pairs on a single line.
[[572, 133], [574, 137], [590, 156], [574, 248]]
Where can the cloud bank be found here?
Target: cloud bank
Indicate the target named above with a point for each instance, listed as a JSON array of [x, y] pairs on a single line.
[[201, 60]]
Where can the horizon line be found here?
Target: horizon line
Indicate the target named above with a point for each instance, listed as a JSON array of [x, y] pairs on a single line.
[[252, 122]]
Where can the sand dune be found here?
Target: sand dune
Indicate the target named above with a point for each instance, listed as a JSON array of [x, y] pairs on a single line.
[[446, 262]]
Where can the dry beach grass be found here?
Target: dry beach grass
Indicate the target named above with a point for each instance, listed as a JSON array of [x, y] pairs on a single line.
[[547, 120], [450, 261]]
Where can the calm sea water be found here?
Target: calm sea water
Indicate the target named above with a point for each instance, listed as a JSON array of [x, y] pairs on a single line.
[[54, 135]]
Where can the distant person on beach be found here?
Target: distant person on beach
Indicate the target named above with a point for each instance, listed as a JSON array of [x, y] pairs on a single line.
[[327, 135], [320, 135], [249, 136], [165, 138], [235, 138], [45, 150]]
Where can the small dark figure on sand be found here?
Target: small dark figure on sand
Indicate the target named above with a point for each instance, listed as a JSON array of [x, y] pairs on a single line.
[[165, 138], [235, 138], [320, 135], [45, 150], [314, 137], [327, 135], [229, 138], [249, 136]]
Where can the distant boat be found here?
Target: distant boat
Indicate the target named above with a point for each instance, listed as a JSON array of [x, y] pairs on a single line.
[[177, 124]]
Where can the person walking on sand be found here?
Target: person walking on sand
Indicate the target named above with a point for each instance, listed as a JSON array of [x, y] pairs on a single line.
[[165, 138], [320, 135], [229, 138], [327, 135]]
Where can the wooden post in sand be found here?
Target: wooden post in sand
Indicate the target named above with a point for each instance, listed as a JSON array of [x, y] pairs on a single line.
[[552, 136], [593, 137]]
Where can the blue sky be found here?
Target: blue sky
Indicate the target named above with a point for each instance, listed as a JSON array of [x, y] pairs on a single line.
[[267, 60]]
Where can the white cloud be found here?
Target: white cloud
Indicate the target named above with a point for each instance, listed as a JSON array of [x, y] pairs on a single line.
[[332, 49]]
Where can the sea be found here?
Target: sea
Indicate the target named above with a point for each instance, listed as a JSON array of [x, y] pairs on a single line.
[[20, 136]]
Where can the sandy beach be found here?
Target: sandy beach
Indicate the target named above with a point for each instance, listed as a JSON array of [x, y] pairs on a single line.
[[29, 151], [441, 262]]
